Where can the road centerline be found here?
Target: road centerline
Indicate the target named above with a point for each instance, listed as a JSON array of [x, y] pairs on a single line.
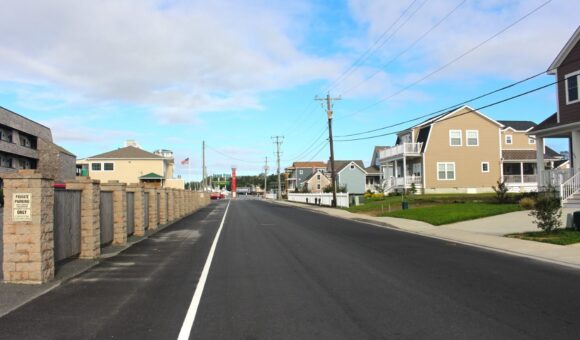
[[192, 311]]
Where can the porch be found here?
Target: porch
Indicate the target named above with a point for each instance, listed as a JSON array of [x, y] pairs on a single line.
[[520, 176], [401, 174]]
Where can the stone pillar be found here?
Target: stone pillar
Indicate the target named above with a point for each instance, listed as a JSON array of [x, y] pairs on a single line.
[[139, 219], [90, 217], [28, 228], [170, 205], [119, 210], [163, 216], [153, 218]]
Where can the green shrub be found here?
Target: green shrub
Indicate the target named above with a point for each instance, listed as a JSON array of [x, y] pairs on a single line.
[[527, 203], [501, 192], [547, 211]]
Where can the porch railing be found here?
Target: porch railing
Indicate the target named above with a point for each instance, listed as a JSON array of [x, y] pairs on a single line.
[[515, 179], [556, 177], [570, 187], [401, 149]]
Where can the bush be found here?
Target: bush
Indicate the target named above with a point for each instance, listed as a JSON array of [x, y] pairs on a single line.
[[501, 192], [527, 203], [547, 211]]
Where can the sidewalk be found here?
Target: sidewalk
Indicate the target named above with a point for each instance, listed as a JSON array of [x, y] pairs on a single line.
[[485, 232], [13, 296]]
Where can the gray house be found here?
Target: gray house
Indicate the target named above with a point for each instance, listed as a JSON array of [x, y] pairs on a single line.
[[350, 174], [300, 172]]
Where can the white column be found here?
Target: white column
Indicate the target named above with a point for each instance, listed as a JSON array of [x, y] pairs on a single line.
[[522, 172], [575, 150], [404, 172], [540, 161]]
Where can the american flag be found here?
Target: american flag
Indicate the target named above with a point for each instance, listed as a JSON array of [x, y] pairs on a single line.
[[185, 161]]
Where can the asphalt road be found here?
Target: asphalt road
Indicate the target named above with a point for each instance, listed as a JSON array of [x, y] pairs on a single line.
[[286, 273]]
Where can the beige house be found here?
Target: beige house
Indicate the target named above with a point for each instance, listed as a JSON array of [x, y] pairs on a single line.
[[316, 182], [132, 165], [462, 151]]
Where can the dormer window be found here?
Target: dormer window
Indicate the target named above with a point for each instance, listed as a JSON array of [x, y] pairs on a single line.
[[572, 90]]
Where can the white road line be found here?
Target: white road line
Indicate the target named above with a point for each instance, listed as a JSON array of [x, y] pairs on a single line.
[[192, 311]]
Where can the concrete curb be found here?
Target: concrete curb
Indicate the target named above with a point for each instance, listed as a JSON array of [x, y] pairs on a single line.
[[361, 219]]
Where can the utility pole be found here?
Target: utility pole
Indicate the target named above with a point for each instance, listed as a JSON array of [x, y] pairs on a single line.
[[265, 176], [329, 106], [278, 141], [203, 166]]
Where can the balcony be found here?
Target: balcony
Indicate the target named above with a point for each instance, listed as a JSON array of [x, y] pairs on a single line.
[[401, 150], [404, 181]]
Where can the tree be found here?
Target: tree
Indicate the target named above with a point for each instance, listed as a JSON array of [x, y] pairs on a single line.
[[547, 211]]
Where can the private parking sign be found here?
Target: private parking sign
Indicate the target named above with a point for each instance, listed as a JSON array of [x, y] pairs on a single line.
[[21, 205]]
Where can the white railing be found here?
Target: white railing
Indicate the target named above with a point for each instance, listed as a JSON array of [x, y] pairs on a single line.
[[510, 179], [570, 187], [270, 196], [320, 199], [556, 177], [401, 149], [400, 182]]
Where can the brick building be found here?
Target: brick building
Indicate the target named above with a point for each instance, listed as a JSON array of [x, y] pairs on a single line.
[[26, 144]]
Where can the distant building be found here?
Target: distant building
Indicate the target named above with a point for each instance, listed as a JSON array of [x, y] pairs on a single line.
[[26, 144], [132, 165], [300, 171]]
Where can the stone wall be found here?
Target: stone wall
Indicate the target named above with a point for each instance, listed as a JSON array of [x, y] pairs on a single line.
[[29, 238]]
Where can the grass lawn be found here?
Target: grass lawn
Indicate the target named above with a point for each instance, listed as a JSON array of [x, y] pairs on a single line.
[[450, 213], [560, 236], [393, 203]]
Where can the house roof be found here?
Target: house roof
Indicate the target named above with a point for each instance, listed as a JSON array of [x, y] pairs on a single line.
[[565, 51], [376, 151], [549, 122], [128, 152], [450, 112], [423, 136], [521, 155], [339, 165], [151, 175], [65, 151], [373, 170], [315, 164], [518, 125]]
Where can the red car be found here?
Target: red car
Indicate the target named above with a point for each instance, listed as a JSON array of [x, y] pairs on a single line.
[[217, 196]]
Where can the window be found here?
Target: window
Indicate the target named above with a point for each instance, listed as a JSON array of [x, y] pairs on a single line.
[[300, 172], [352, 167], [318, 186], [96, 166], [455, 137], [445, 171], [108, 166], [531, 140], [472, 137], [484, 166], [508, 139], [318, 177], [572, 90]]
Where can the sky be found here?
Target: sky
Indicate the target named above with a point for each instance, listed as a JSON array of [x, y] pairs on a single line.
[[170, 74]]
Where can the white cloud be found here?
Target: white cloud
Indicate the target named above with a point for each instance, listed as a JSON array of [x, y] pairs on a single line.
[[180, 58], [527, 48]]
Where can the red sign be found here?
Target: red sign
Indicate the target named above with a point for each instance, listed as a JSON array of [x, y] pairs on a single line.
[[234, 185]]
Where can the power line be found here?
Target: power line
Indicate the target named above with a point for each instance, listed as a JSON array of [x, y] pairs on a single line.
[[477, 109], [230, 157], [322, 147], [408, 47], [308, 149], [456, 104], [373, 49], [471, 50]]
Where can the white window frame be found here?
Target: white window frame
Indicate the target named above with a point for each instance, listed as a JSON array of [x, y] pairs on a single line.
[[446, 164], [467, 137], [451, 138], [511, 139], [103, 166], [531, 140], [482, 169], [570, 75], [100, 166], [300, 172], [318, 186]]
